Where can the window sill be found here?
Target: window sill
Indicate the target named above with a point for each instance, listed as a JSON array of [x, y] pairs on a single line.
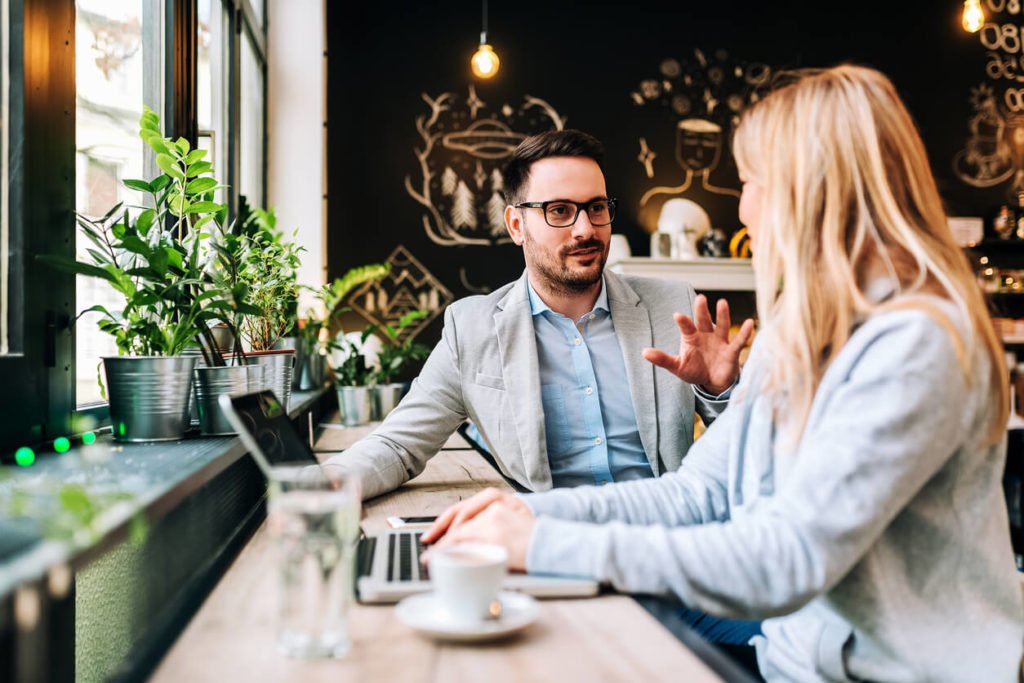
[[157, 476]]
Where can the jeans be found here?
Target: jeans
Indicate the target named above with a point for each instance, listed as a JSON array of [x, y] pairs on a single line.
[[729, 635]]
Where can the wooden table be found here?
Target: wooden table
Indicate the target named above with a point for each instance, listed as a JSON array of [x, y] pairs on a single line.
[[609, 638]]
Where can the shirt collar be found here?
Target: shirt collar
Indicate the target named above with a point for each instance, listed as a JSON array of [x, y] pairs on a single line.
[[537, 305]]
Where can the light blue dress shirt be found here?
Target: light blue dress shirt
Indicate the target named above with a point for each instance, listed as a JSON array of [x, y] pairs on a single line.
[[592, 435]]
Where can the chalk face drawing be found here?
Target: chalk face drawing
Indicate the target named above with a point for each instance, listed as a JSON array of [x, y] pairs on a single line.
[[993, 148], [464, 142], [408, 287], [701, 98]]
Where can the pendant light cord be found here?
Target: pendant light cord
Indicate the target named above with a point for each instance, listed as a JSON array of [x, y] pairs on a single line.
[[483, 34]]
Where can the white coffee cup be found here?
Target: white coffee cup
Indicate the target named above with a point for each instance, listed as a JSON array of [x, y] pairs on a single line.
[[467, 578]]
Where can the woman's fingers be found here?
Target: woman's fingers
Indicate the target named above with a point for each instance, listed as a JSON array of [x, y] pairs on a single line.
[[460, 513]]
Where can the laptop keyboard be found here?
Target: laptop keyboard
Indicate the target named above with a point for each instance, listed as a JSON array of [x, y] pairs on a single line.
[[404, 551]]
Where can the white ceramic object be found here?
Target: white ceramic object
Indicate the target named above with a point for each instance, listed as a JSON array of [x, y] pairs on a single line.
[[688, 222], [467, 578], [426, 614]]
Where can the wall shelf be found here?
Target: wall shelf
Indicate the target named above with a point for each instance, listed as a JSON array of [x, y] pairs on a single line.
[[705, 274]]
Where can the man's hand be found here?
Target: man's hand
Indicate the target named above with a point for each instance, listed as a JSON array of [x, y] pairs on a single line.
[[706, 356], [505, 521], [462, 512]]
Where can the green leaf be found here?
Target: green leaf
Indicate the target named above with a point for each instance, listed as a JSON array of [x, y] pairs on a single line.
[[140, 185], [77, 267], [76, 502], [199, 168], [158, 261], [182, 144], [169, 166], [160, 183], [145, 220], [174, 257], [200, 185], [194, 156], [203, 207], [135, 245], [203, 221], [149, 121], [156, 142], [109, 214]]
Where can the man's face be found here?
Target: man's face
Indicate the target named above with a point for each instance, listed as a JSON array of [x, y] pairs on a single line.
[[698, 144], [568, 260]]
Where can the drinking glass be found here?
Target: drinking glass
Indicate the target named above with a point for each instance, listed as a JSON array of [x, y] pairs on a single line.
[[315, 520]]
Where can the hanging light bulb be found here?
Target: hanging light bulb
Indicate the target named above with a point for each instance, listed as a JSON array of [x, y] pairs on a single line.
[[973, 17], [485, 60]]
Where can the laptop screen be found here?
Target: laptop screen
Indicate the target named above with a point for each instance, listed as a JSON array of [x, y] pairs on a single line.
[[266, 423]]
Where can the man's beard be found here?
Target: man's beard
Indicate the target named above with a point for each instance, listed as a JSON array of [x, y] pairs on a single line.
[[558, 276]]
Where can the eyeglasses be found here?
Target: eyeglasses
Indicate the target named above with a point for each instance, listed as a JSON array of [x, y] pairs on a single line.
[[561, 213]]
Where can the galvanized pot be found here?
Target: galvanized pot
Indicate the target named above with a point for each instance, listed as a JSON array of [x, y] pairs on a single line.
[[295, 344], [314, 372], [280, 367], [210, 383], [149, 396], [386, 397], [356, 405]]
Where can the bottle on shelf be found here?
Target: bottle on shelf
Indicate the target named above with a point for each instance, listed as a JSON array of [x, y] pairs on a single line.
[[1005, 223], [1020, 216]]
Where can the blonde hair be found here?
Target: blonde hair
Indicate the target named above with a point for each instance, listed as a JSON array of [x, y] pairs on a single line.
[[848, 196]]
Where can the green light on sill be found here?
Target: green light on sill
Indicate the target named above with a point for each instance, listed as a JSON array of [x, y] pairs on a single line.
[[24, 456], [61, 444], [88, 438], [120, 429]]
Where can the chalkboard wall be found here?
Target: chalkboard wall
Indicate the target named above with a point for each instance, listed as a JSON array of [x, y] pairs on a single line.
[[414, 141]]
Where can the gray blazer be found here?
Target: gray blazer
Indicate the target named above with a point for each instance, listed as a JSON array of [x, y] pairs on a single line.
[[485, 368]]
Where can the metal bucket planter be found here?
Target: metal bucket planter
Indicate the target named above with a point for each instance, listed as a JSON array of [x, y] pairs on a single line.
[[280, 367], [314, 372], [223, 338], [356, 405], [386, 397], [149, 396], [210, 383], [295, 344]]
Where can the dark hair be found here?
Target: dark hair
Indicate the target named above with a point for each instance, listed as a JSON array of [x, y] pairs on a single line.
[[552, 143]]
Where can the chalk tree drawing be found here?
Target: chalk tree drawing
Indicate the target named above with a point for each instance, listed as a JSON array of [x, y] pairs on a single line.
[[986, 158], [496, 214], [702, 97], [471, 148], [463, 211], [408, 287]]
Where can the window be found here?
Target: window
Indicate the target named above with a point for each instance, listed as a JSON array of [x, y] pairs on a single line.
[[5, 231], [251, 154], [212, 86], [113, 48], [68, 138]]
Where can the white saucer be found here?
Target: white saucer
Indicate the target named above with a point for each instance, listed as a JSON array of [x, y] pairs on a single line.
[[425, 614]]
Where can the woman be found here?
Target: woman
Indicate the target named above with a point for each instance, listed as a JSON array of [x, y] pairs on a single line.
[[851, 495]]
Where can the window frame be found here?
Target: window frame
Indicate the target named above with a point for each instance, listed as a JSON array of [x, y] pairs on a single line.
[[43, 305]]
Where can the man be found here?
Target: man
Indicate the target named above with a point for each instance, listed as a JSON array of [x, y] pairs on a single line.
[[549, 368]]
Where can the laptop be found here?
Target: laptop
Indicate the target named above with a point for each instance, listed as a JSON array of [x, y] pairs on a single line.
[[389, 567]]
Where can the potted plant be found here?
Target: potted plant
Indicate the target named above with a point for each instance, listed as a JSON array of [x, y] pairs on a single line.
[[354, 377], [397, 360], [317, 327], [268, 270], [225, 254], [152, 257]]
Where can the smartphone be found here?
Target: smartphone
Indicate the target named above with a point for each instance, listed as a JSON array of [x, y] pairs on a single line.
[[399, 522]]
